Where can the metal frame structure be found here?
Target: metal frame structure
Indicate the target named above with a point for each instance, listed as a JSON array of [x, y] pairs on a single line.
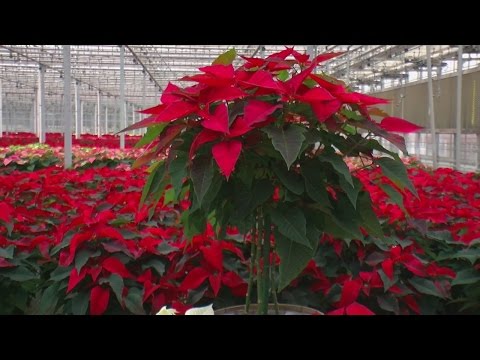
[[96, 69]]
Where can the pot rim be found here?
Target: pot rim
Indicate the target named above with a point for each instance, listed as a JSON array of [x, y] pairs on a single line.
[[240, 309]]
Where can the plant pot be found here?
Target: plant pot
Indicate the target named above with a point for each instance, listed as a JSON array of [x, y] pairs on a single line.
[[283, 309]]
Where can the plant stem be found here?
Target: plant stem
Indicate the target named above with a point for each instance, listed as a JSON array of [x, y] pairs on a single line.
[[275, 301], [360, 142], [273, 277], [253, 254], [260, 298], [266, 266]]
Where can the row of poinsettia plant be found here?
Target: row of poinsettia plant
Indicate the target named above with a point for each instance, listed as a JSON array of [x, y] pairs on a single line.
[[37, 156], [56, 139], [75, 242]]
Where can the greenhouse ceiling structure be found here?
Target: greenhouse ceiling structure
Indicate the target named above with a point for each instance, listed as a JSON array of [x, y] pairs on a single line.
[[148, 68]]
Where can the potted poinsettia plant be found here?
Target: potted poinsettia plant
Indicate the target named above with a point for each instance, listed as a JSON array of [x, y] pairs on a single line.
[[261, 147]]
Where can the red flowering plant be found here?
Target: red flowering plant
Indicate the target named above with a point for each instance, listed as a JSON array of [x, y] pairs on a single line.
[[261, 147], [75, 242]]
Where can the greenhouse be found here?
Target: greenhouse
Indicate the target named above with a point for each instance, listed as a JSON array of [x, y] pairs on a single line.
[[239, 179]]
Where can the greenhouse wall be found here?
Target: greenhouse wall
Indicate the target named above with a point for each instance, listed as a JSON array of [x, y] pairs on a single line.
[[415, 101]]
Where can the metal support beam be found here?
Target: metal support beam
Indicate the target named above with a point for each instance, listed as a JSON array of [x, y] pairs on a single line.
[[310, 51], [82, 113], [106, 119], [123, 115], [478, 152], [458, 117], [94, 120], [144, 91], [98, 113], [417, 144], [261, 53], [431, 111], [67, 112], [78, 114], [122, 48], [1, 109], [133, 119], [402, 98], [144, 104], [348, 65], [439, 78], [41, 110], [34, 120], [125, 107]]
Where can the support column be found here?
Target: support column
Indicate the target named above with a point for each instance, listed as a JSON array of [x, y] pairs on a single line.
[[310, 51], [431, 111], [123, 115], [41, 109], [98, 113], [78, 114], [81, 117], [144, 91], [417, 144], [1, 109], [144, 104], [125, 109], [106, 119], [34, 120], [458, 117], [439, 78], [402, 98], [133, 118], [348, 66], [94, 120], [67, 112], [478, 151]]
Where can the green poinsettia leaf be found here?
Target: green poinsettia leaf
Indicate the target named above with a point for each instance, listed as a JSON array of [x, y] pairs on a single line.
[[394, 195], [369, 218], [395, 170], [288, 141], [151, 134], [201, 174], [314, 183], [178, 171], [339, 165], [291, 180], [291, 223], [294, 257], [226, 58]]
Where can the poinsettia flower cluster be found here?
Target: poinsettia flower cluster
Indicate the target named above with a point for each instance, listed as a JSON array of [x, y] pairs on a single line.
[[227, 105]]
